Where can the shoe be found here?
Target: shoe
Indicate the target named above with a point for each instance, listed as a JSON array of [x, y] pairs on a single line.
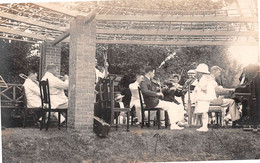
[[182, 124], [162, 124], [63, 124], [202, 129], [176, 127]]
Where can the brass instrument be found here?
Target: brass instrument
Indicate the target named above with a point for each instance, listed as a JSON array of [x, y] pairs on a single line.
[[23, 76]]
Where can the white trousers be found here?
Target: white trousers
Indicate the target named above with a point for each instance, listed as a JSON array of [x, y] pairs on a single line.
[[175, 112]]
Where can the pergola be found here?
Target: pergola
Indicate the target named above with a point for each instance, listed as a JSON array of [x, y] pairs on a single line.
[[85, 24]]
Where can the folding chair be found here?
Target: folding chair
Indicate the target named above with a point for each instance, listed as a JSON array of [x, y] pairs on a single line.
[[46, 105]]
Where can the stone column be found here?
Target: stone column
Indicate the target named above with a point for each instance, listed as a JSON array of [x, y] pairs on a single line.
[[49, 55], [82, 74]]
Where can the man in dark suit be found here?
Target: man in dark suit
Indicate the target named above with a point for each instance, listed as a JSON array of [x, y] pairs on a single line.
[[151, 99]]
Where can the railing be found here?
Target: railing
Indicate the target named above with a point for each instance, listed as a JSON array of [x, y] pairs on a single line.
[[12, 96]]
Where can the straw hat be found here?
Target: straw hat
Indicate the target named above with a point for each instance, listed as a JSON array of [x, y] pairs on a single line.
[[203, 68], [191, 72]]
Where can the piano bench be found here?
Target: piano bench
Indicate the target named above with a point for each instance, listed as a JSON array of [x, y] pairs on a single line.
[[219, 112], [217, 109]]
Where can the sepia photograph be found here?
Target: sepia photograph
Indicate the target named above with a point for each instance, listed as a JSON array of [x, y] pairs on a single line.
[[129, 81]]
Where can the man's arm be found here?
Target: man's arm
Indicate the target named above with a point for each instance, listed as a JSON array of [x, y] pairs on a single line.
[[146, 91], [58, 83]]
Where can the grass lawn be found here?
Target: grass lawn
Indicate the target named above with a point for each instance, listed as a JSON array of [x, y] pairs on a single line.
[[33, 145]]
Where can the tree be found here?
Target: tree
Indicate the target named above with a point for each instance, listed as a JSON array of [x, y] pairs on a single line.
[[18, 57]]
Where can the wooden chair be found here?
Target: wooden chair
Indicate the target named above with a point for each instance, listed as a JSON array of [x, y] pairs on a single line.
[[46, 105], [107, 98], [144, 109], [28, 111]]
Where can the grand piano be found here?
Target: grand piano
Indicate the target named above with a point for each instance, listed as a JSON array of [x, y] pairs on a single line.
[[248, 93]]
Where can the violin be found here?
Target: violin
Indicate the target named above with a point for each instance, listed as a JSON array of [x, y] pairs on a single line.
[[157, 84]]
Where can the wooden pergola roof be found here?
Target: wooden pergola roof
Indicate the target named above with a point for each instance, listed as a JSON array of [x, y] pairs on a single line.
[[33, 22]]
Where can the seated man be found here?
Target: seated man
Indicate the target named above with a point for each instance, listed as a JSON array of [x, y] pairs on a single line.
[[151, 99], [230, 104], [32, 90], [135, 100], [57, 87]]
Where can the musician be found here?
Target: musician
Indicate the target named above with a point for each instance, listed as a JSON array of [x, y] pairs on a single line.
[[98, 73], [173, 91], [229, 104], [192, 81], [32, 90], [205, 93], [151, 99], [135, 100], [57, 87]]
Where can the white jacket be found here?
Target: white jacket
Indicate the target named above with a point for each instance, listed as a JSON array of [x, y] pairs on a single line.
[[135, 100], [205, 89], [57, 87], [32, 92]]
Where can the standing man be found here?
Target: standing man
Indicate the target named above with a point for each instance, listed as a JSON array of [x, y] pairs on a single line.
[[57, 87], [229, 104], [151, 99], [135, 100]]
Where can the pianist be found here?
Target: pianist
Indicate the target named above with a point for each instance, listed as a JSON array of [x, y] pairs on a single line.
[[228, 104]]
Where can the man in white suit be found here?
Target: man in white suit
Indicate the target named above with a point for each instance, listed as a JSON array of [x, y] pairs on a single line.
[[135, 100], [57, 86]]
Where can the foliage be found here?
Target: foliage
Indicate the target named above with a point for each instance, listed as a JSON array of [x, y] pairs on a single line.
[[64, 58], [130, 59], [17, 58]]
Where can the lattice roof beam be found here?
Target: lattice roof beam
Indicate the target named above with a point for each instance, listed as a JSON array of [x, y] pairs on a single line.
[[60, 9], [24, 34], [191, 43], [66, 34], [61, 37], [156, 18], [178, 33], [30, 21]]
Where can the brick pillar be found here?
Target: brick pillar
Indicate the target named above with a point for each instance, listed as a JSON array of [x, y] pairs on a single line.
[[49, 55], [82, 74]]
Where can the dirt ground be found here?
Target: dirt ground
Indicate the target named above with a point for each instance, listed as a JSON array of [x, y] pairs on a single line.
[[138, 145]]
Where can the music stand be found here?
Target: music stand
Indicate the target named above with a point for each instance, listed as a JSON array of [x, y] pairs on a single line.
[[2, 85]]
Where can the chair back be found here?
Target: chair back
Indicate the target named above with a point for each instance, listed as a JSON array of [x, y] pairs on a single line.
[[24, 98], [45, 93], [141, 98]]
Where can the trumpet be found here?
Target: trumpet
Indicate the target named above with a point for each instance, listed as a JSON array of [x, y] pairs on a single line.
[[23, 76]]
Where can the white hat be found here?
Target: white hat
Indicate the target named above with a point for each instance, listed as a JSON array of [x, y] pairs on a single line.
[[203, 68], [191, 71]]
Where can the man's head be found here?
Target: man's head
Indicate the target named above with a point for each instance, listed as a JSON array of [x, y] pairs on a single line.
[[52, 69], [215, 71], [139, 77], [32, 74], [149, 72], [175, 78], [202, 69], [191, 73]]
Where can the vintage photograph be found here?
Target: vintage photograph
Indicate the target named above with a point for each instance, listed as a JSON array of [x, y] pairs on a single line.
[[129, 81]]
